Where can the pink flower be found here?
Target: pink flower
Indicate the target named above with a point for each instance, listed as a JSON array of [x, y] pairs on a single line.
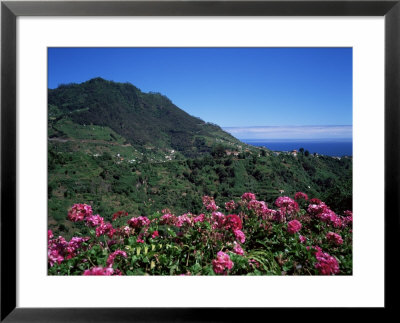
[[302, 239], [222, 263], [126, 230], [260, 207], [167, 218], [139, 222], [183, 219], [233, 222], [155, 234], [248, 196], [199, 218], [94, 220], [334, 238], [293, 226], [317, 209], [218, 220], [119, 214], [301, 195], [240, 236], [315, 201], [78, 212], [326, 264], [112, 256], [54, 256], [287, 205], [49, 234], [238, 249], [74, 244], [98, 271], [209, 203], [105, 228], [231, 205]]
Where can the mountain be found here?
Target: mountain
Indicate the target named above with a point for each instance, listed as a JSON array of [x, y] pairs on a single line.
[[140, 119]]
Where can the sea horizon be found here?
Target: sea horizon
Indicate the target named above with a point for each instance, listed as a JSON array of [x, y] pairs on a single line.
[[336, 147]]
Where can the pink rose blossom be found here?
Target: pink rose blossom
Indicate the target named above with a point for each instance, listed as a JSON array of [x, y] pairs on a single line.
[[112, 256], [94, 220], [240, 236], [233, 222], [231, 205], [78, 212], [105, 228], [301, 195], [238, 249], [199, 218], [334, 238], [98, 271], [248, 196], [326, 264], [293, 226], [222, 263], [139, 222]]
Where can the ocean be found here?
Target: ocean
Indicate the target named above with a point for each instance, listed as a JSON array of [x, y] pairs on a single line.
[[329, 148]]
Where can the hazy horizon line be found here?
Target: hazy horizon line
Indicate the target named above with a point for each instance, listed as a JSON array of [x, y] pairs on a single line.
[[292, 132]]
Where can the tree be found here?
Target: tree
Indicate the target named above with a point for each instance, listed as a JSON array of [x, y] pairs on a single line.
[[218, 151], [301, 150], [306, 153]]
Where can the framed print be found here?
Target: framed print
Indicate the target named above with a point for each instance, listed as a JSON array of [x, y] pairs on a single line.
[[275, 123]]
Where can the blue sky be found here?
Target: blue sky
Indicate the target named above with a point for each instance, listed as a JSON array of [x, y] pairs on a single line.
[[255, 93]]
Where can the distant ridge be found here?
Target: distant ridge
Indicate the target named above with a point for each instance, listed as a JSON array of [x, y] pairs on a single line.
[[141, 118]]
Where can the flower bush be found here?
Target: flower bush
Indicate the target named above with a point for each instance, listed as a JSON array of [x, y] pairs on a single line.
[[250, 238]]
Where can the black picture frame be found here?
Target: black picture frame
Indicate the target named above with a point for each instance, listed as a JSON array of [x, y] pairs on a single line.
[[10, 10]]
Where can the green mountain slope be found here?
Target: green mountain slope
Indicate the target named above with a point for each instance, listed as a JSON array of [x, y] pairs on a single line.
[[124, 114]]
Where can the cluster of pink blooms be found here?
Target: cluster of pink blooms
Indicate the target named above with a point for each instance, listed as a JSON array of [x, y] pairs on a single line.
[[348, 219], [334, 238], [301, 195], [248, 196], [199, 218], [326, 264], [105, 228], [218, 220], [78, 212], [222, 263], [226, 228], [238, 249], [209, 203], [167, 218], [321, 211], [287, 206], [139, 222], [113, 255], [233, 222], [59, 249], [293, 226], [260, 207], [302, 239], [231, 205], [183, 219], [99, 271], [239, 236], [94, 220]]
